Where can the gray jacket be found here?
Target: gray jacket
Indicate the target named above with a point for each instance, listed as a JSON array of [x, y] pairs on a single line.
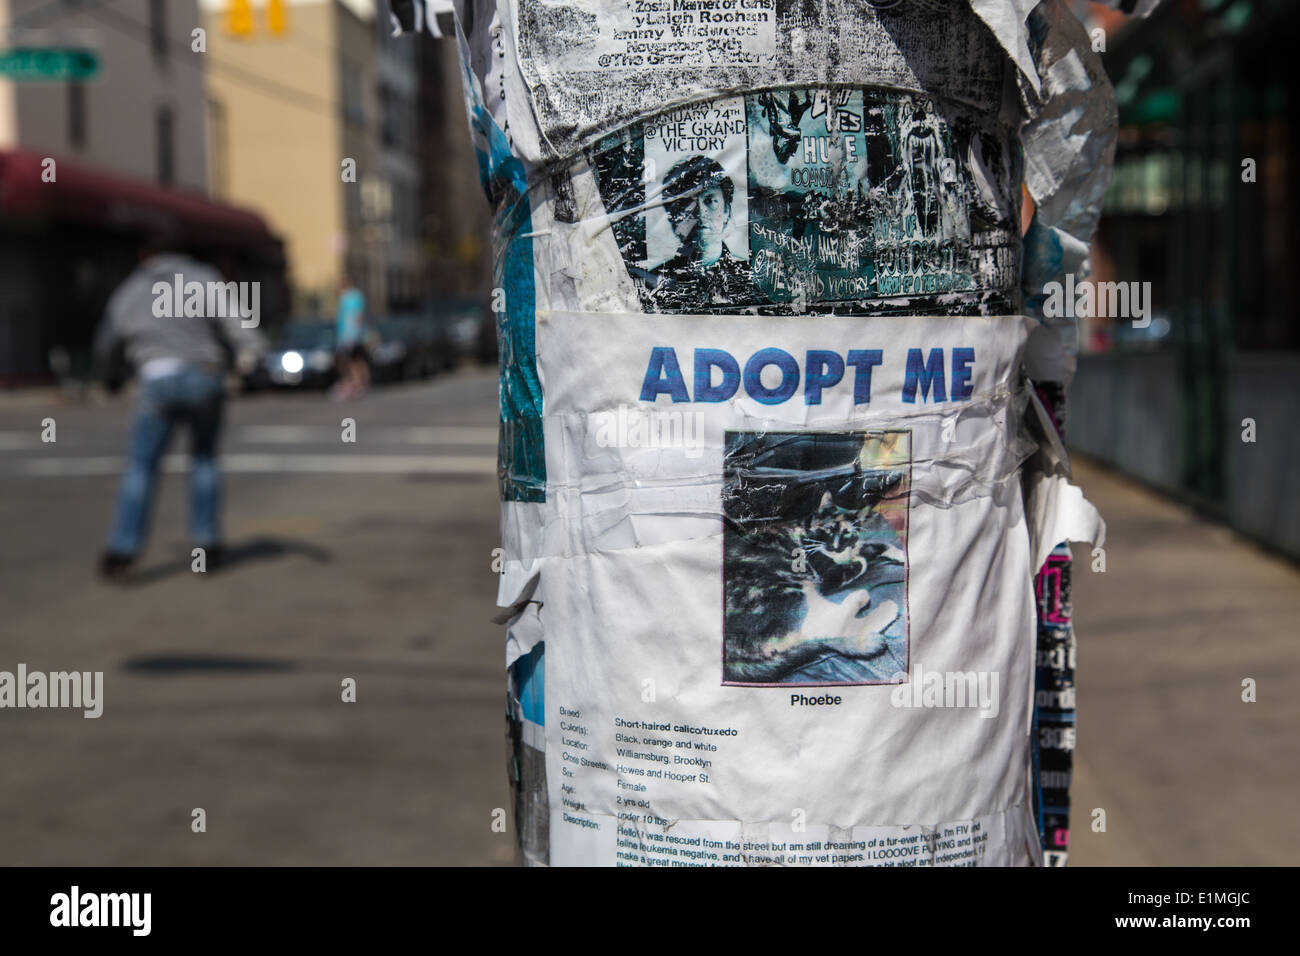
[[152, 322]]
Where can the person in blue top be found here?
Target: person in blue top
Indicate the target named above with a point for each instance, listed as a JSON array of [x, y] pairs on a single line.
[[349, 334]]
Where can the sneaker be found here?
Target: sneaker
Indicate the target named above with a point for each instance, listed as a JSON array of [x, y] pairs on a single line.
[[113, 565]]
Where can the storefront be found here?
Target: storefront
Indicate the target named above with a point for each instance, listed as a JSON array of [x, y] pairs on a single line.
[[69, 234]]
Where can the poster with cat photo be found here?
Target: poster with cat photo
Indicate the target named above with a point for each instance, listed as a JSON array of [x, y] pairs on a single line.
[[815, 557]]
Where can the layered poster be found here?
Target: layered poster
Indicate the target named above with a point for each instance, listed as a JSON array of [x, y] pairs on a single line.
[[797, 200], [597, 65], [786, 590]]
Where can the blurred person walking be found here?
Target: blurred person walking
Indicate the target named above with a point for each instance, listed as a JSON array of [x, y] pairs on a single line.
[[180, 361], [350, 322]]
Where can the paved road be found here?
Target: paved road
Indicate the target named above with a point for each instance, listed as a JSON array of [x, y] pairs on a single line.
[[368, 560], [372, 561]]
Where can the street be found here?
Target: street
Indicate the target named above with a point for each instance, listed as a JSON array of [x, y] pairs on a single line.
[[372, 560], [223, 690]]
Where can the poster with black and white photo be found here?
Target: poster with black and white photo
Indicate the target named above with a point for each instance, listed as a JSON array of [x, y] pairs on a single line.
[[814, 200], [815, 557]]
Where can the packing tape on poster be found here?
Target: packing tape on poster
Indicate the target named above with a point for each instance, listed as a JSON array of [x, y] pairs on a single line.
[[626, 463], [1057, 512], [635, 415]]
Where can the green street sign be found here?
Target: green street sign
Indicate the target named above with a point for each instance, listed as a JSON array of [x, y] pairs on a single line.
[[51, 63]]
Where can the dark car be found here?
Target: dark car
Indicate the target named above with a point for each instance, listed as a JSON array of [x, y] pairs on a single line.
[[486, 346], [434, 341], [468, 328], [392, 356], [408, 345], [302, 355]]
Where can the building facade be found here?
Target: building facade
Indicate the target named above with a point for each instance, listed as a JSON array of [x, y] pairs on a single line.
[[141, 116], [315, 124], [455, 217], [92, 169]]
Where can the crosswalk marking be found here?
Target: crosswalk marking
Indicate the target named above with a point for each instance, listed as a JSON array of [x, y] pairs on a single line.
[[418, 435], [253, 463], [15, 441]]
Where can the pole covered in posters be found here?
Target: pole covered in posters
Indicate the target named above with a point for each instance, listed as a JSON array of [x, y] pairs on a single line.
[[780, 458]]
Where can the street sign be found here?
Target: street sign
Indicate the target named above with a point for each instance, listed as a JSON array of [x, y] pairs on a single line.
[[48, 63]]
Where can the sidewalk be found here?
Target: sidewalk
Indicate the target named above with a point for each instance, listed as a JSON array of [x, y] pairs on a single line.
[[1185, 771]]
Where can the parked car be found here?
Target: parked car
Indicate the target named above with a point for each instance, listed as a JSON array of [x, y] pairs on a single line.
[[391, 354], [436, 342], [429, 351], [486, 345], [301, 355], [463, 324]]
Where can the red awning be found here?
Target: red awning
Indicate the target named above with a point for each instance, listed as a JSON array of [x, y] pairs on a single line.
[[93, 197]]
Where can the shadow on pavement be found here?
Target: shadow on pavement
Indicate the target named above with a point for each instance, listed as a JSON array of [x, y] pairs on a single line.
[[189, 663], [256, 549], [202, 663]]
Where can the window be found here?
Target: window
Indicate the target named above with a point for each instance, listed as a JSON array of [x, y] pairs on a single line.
[[218, 149], [77, 115], [353, 108], [166, 139], [158, 28], [387, 116]]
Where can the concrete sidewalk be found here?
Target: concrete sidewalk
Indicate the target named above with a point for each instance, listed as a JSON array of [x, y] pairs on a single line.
[[1186, 772]]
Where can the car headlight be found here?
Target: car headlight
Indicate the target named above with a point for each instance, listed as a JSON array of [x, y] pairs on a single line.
[[291, 362], [321, 360]]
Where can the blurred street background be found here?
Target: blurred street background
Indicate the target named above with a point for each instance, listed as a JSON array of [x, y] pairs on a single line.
[[369, 560], [301, 146]]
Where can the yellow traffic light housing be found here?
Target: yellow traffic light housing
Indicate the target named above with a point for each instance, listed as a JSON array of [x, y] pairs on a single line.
[[239, 18], [277, 17]]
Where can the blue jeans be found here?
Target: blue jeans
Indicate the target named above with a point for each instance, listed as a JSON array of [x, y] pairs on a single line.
[[191, 396]]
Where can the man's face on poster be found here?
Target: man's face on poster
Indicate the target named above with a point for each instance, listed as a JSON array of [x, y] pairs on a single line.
[[709, 210], [713, 213], [698, 194]]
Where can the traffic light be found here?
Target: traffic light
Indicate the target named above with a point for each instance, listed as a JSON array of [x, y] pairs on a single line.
[[239, 17], [277, 17]]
